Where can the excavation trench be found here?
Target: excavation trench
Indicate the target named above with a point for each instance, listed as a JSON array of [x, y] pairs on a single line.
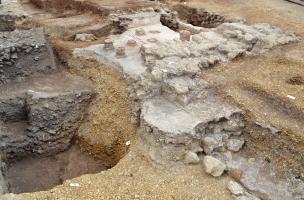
[[31, 174], [41, 110]]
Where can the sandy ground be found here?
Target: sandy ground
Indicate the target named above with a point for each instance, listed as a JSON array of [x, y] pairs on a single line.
[[134, 177], [250, 82]]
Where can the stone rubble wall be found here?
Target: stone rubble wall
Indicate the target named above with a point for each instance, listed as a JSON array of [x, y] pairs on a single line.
[[50, 121], [11, 15], [7, 23], [41, 108], [23, 54], [56, 119]]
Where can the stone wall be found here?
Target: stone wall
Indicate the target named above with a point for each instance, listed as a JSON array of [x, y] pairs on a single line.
[[41, 107], [23, 54]]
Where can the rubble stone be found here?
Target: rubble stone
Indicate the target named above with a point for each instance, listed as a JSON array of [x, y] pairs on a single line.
[[235, 188], [209, 144], [235, 145], [85, 37], [213, 166], [191, 158], [21, 63]]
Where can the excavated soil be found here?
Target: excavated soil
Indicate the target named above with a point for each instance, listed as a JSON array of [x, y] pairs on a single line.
[[108, 126]]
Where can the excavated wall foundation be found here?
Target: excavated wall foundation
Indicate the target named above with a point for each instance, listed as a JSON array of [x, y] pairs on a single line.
[[41, 108], [180, 117]]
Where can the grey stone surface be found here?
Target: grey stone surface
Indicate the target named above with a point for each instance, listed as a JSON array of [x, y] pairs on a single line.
[[23, 54], [260, 179]]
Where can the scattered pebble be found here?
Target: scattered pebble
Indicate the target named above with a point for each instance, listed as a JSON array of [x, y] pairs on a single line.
[[128, 143], [74, 185], [291, 97]]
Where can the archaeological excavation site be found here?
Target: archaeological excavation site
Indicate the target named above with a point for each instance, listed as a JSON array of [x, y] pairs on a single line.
[[151, 100]]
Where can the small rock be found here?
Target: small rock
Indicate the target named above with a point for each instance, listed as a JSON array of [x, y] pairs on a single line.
[[209, 143], [13, 49], [14, 56], [28, 50], [235, 144], [272, 129], [196, 148], [191, 158], [128, 143], [213, 166], [74, 185], [227, 155], [85, 37], [235, 188], [36, 58], [136, 196]]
